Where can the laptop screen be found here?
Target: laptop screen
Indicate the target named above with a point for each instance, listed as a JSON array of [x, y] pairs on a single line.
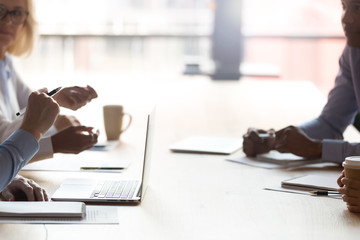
[[149, 139]]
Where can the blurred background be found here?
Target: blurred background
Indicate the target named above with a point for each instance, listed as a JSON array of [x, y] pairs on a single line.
[[164, 39]]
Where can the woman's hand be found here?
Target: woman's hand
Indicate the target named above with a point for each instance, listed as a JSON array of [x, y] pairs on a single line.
[[75, 97], [24, 189]]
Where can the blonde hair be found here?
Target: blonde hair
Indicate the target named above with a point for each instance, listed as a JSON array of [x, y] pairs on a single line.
[[24, 43]]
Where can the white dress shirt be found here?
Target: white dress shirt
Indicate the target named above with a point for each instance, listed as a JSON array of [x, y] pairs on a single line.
[[14, 96]]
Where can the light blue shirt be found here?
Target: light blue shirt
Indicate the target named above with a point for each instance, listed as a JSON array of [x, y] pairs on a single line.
[[15, 152], [339, 112]]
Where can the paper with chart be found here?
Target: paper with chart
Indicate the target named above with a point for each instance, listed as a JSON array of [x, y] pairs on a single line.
[[94, 215]]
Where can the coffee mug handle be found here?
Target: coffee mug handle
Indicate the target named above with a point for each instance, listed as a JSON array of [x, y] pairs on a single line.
[[129, 122]]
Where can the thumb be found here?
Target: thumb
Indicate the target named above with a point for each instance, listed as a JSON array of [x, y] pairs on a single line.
[[83, 128], [8, 195], [43, 90]]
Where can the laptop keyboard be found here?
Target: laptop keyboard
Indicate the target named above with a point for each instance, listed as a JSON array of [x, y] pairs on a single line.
[[115, 189]]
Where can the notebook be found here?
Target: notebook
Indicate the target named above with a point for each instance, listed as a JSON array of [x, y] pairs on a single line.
[[110, 191], [313, 182], [284, 159], [42, 209], [203, 144]]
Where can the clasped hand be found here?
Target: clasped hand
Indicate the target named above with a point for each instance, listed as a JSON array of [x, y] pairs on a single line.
[[287, 140]]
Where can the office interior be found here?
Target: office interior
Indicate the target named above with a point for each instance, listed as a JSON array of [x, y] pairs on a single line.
[[281, 61], [117, 41]]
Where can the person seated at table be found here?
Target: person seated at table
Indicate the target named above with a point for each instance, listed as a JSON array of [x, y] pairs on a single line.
[[17, 33], [22, 145], [322, 137]]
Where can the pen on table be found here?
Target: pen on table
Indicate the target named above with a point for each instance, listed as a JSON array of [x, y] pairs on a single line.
[[101, 168], [324, 193], [51, 93]]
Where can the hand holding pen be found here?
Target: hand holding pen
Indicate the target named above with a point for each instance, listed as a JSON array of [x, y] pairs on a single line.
[[51, 93], [40, 114]]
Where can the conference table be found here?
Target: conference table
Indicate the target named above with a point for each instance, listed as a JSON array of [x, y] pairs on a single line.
[[203, 196]]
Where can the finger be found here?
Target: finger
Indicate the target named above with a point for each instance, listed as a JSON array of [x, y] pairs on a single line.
[[95, 137], [260, 131], [83, 129], [350, 192], [77, 122], [351, 183], [77, 100], [43, 90], [8, 196], [38, 191], [352, 201], [84, 93], [92, 91], [342, 175], [251, 130], [46, 195], [354, 209], [339, 181], [92, 138], [254, 136], [28, 190]]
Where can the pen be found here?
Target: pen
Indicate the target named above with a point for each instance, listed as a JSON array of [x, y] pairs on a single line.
[[54, 91], [51, 93], [101, 168], [324, 193]]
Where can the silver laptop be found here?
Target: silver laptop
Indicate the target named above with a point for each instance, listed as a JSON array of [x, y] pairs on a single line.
[[112, 191]]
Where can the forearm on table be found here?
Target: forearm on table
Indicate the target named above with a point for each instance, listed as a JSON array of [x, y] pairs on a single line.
[[15, 152]]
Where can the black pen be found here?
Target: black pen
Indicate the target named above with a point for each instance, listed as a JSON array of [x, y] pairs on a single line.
[[324, 193], [54, 91], [51, 93], [101, 168]]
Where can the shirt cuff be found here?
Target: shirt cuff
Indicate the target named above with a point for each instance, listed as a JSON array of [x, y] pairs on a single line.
[[332, 151], [52, 131], [28, 145], [46, 149]]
